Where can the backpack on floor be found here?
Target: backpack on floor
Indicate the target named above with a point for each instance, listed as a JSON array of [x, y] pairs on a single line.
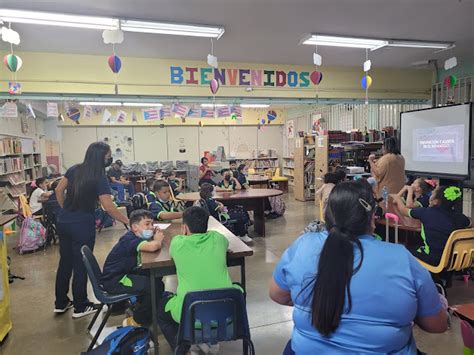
[[137, 202], [32, 235], [103, 219], [124, 341], [278, 205], [239, 220]]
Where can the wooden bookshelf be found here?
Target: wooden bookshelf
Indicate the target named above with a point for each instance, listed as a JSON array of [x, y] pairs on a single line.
[[288, 170], [304, 160]]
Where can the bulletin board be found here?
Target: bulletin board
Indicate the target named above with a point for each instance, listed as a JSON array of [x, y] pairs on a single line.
[[183, 143], [271, 137], [243, 141], [150, 144], [120, 140], [212, 137], [75, 143]]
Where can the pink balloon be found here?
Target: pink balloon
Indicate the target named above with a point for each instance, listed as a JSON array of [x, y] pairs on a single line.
[[214, 85]]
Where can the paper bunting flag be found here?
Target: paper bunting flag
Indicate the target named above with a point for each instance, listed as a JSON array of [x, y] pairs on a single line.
[[10, 110], [237, 110], [30, 112], [121, 116], [74, 114], [180, 110], [165, 111], [194, 112], [151, 114], [87, 112], [207, 113], [223, 111], [134, 117], [52, 109], [106, 116]]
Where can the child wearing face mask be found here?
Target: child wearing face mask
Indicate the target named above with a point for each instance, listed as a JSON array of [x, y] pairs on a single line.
[[122, 273], [230, 183]]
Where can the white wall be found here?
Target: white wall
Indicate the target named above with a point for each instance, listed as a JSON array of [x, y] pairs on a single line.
[[171, 142]]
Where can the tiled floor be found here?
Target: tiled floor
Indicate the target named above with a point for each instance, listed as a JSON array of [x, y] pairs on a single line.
[[37, 331]]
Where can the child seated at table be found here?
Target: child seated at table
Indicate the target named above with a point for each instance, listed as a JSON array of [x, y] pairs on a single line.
[[163, 208], [417, 194], [229, 183], [200, 257], [438, 221], [175, 183], [149, 194], [330, 180], [241, 176], [38, 195], [122, 273], [235, 218]]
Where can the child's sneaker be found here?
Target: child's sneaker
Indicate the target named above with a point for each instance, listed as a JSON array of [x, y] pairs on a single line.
[[63, 310], [246, 239], [89, 309]]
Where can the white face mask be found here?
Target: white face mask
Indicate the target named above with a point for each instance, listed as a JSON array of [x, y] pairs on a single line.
[[146, 234]]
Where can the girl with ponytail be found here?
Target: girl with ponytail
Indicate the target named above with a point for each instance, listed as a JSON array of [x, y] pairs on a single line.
[[350, 292]]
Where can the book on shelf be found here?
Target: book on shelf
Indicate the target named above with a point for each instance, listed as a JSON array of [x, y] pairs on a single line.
[[9, 146]]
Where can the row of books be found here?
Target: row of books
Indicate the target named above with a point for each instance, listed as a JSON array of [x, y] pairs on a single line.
[[10, 165], [10, 146]]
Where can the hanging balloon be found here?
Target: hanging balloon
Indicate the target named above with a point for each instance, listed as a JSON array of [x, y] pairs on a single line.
[[214, 85], [271, 115], [316, 77], [74, 114], [12, 62], [115, 63], [450, 81], [366, 82]]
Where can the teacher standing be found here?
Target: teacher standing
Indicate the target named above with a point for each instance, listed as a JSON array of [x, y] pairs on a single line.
[[86, 184], [389, 170]]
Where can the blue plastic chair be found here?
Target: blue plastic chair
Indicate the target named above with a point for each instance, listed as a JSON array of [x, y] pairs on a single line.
[[212, 316], [94, 273]]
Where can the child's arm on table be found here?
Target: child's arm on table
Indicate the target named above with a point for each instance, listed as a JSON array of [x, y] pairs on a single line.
[[154, 244]]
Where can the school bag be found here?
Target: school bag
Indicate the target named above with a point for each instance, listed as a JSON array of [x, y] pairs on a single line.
[[137, 202], [278, 205], [103, 219], [124, 341], [32, 235]]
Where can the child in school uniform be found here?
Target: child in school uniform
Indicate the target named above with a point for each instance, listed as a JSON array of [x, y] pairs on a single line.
[[229, 183], [150, 194], [417, 194], [175, 183], [39, 195], [215, 208], [200, 258], [122, 273], [163, 208], [241, 178], [438, 221]]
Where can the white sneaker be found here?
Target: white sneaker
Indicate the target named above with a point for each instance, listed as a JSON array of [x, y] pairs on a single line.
[[63, 310], [209, 349], [246, 239], [88, 310]]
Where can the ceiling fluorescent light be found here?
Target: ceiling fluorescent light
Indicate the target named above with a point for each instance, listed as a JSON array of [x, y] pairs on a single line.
[[141, 104], [100, 103], [213, 105], [350, 42], [172, 28], [420, 44], [254, 105], [55, 19]]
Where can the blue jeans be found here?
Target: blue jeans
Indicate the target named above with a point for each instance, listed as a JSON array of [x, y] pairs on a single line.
[[120, 188]]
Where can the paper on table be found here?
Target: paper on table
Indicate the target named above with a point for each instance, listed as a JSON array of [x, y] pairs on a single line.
[[162, 226]]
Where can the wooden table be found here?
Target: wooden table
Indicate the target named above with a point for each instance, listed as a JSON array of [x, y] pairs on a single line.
[[252, 199], [409, 225], [161, 264], [464, 311], [258, 180]]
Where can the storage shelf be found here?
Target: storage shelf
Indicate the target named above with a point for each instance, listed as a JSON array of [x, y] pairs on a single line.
[[289, 158], [11, 172]]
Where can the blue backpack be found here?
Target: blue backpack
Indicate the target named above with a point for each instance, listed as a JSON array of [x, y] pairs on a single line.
[[124, 341]]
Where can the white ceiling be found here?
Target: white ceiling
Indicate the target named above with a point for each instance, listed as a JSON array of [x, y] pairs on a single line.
[[266, 31]]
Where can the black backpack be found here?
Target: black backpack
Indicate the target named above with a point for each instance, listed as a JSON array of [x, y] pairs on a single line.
[[137, 202]]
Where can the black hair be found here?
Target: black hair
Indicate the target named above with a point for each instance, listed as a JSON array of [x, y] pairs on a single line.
[[168, 173], [224, 171], [196, 218], [340, 175], [330, 178], [391, 145], [55, 184], [241, 167], [232, 162], [202, 160], [439, 194], [347, 215], [160, 184], [82, 195], [425, 187], [206, 190], [119, 162], [149, 183], [138, 215]]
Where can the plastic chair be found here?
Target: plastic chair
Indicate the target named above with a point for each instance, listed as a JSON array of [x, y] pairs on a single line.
[[94, 273], [458, 253], [278, 177], [467, 337], [212, 316]]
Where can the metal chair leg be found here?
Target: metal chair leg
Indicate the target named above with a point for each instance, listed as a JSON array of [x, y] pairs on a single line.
[[91, 324], [102, 325]]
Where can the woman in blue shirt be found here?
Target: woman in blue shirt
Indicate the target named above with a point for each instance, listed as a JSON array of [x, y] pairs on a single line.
[[352, 293], [86, 185]]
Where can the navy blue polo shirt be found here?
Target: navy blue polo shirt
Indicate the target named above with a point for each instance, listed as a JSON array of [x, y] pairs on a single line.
[[157, 207], [174, 187], [213, 207], [123, 258], [230, 185], [67, 214], [423, 200], [150, 197], [437, 224]]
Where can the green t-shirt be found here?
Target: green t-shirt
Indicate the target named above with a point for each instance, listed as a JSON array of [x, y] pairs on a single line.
[[200, 261]]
